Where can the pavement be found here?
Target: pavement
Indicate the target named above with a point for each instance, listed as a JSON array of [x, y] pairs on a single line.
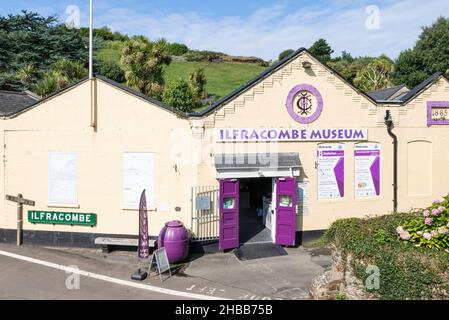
[[28, 272]]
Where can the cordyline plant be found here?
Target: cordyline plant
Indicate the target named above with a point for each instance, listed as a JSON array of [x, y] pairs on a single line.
[[432, 229], [143, 62]]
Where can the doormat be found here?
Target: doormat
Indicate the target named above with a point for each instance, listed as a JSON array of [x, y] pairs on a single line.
[[259, 251]]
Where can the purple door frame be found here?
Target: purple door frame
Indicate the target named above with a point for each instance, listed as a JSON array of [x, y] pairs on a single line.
[[229, 216], [286, 214]]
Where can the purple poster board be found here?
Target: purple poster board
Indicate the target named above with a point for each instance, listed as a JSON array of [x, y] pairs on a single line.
[[331, 170], [367, 170]]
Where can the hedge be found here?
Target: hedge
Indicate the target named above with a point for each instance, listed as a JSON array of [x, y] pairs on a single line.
[[406, 271]]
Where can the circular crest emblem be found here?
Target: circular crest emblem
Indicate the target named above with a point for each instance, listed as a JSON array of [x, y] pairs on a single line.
[[304, 103]]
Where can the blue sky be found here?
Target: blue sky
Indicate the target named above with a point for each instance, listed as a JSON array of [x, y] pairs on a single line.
[[259, 27]]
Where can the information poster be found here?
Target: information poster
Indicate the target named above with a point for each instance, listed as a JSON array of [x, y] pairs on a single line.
[[331, 170], [367, 169], [62, 186], [138, 174], [302, 197]]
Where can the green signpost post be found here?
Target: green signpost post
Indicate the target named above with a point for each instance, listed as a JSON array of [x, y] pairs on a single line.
[[70, 218]]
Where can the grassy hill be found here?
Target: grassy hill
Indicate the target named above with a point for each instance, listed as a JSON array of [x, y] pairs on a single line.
[[222, 77]]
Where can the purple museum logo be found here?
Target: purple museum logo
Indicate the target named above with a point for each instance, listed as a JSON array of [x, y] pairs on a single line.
[[304, 103]]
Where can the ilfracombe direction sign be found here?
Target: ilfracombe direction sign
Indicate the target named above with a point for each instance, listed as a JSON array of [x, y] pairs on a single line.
[[70, 218]]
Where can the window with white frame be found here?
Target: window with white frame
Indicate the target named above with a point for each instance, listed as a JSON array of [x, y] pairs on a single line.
[[62, 178], [138, 175]]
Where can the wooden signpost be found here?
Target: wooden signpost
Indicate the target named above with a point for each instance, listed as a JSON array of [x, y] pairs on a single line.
[[20, 200]]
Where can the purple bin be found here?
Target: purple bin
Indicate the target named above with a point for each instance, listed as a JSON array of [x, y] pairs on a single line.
[[175, 238]]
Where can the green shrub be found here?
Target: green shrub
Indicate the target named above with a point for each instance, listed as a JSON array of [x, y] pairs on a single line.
[[432, 229], [285, 53], [203, 56], [177, 49], [179, 94], [198, 83], [406, 271], [111, 70]]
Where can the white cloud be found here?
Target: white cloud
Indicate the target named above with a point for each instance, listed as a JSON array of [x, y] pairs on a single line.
[[268, 31]]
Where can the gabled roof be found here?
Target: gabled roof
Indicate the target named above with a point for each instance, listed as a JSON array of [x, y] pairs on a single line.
[[24, 101], [420, 87], [385, 94], [266, 73], [16, 109], [141, 95], [13, 102]]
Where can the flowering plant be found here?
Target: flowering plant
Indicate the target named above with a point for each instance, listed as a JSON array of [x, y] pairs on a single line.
[[431, 230]]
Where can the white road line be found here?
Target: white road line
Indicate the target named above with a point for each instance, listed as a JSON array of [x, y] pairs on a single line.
[[110, 279]]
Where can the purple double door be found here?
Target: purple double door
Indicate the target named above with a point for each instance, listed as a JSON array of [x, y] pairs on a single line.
[[285, 212]]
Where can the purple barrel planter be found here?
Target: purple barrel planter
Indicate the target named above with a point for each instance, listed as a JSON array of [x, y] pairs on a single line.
[[175, 238]]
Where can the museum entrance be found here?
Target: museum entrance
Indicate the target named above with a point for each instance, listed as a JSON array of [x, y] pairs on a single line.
[[255, 210], [249, 216], [257, 198]]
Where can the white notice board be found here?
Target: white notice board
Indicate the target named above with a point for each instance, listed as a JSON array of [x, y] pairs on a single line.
[[62, 186], [303, 197], [138, 174]]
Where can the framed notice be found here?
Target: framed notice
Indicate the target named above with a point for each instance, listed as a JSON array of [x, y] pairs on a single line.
[[367, 170], [62, 175], [331, 170], [302, 197], [138, 174]]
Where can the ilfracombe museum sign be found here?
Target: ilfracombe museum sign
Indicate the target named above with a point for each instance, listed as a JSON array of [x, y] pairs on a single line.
[[290, 134]]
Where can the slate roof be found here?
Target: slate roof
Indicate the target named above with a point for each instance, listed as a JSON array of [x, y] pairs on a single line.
[[12, 102], [14, 109], [385, 94], [416, 90]]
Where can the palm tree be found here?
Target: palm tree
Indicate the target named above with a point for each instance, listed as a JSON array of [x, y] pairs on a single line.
[[143, 63], [26, 75]]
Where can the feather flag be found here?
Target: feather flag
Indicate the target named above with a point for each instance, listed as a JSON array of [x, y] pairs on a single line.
[[144, 250]]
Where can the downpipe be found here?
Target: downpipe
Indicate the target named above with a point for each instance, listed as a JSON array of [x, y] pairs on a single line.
[[390, 126]]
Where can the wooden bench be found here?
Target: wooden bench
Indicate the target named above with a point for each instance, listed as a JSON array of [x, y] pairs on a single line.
[[107, 242]]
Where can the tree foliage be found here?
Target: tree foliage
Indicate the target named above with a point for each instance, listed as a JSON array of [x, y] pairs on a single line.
[[348, 67], [321, 50], [376, 75], [285, 54], [203, 56], [63, 73], [429, 55], [143, 61], [110, 69], [179, 94], [177, 49], [31, 41], [105, 34], [198, 83]]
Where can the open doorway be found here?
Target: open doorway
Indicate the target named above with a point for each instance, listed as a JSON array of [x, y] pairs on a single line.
[[255, 199]]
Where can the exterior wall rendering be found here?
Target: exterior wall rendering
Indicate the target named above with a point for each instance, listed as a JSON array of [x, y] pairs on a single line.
[[180, 150], [125, 124]]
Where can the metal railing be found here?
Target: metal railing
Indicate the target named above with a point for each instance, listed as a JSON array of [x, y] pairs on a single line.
[[205, 215]]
